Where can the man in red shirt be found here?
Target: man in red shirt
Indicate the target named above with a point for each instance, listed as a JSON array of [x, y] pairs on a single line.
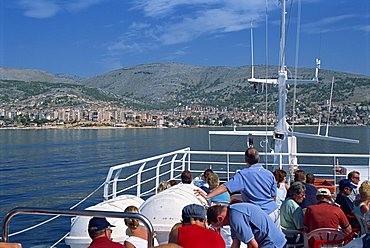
[[325, 215], [100, 232], [193, 232]]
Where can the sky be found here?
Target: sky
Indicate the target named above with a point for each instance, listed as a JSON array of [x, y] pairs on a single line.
[[92, 37]]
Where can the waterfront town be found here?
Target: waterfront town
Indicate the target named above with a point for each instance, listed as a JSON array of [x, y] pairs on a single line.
[[181, 116]]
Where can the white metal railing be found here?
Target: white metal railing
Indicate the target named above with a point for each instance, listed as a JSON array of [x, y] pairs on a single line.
[[142, 177]]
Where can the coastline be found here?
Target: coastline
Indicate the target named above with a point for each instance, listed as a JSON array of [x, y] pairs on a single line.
[[154, 127]]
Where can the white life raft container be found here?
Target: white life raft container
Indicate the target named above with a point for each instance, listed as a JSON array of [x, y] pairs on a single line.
[[164, 209], [79, 236]]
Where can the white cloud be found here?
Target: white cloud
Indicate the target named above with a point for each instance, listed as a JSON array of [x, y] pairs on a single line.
[[202, 17], [365, 28], [39, 8], [49, 8], [111, 62], [125, 46], [158, 8], [328, 24], [78, 5], [170, 22], [139, 25]]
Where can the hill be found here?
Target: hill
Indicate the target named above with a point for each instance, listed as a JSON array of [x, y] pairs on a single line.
[[167, 85], [18, 95], [164, 86]]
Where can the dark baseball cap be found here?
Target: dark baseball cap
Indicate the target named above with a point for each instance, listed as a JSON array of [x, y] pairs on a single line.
[[98, 224], [193, 211], [346, 183]]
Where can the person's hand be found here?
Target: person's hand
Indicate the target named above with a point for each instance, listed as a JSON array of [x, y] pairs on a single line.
[[200, 192]]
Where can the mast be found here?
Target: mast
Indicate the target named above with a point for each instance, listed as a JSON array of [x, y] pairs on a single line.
[[281, 128]]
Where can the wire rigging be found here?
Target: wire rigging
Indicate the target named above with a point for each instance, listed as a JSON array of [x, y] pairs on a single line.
[[296, 63], [266, 76]]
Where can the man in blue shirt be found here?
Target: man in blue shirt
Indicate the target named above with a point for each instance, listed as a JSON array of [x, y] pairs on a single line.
[[249, 224], [256, 185]]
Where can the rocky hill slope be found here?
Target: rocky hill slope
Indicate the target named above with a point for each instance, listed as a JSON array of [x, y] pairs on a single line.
[[155, 86], [166, 85]]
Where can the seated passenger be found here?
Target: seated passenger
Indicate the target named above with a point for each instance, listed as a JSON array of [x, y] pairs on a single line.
[[205, 185], [282, 187], [163, 186], [354, 176], [362, 206], [213, 182], [192, 232], [138, 235], [291, 214], [325, 215], [300, 176], [186, 177], [346, 204], [100, 232], [203, 182]]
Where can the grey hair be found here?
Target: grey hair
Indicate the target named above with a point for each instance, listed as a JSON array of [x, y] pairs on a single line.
[[297, 188]]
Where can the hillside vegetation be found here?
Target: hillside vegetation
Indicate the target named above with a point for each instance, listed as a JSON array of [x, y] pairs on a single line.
[[164, 86]]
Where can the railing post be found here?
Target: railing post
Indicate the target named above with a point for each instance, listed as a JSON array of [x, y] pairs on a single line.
[[334, 171], [189, 161], [106, 184], [157, 173], [138, 182], [183, 161], [281, 161], [172, 165], [115, 180], [228, 166]]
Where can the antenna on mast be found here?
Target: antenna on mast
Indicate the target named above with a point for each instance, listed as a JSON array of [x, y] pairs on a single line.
[[252, 49], [318, 63]]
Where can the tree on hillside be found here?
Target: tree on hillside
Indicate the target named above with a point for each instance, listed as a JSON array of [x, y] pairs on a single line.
[[227, 122]]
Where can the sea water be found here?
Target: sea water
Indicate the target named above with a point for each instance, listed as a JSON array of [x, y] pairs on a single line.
[[55, 168]]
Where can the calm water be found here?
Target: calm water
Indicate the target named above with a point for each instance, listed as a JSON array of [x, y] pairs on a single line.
[[57, 168]]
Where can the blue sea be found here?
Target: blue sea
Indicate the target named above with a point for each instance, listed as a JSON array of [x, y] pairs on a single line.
[[55, 168]]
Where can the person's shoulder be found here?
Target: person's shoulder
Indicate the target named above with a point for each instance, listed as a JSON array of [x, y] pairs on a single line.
[[310, 187], [311, 207], [116, 245], [213, 234]]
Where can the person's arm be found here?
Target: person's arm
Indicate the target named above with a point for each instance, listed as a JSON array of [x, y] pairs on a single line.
[[217, 191], [173, 236], [365, 208], [252, 244], [128, 245], [343, 222], [306, 218], [286, 186], [298, 218], [235, 244], [347, 230]]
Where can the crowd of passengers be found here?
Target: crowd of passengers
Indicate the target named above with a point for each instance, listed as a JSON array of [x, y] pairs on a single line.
[[267, 212]]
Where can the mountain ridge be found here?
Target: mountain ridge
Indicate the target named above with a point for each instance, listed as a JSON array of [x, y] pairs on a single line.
[[165, 85]]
